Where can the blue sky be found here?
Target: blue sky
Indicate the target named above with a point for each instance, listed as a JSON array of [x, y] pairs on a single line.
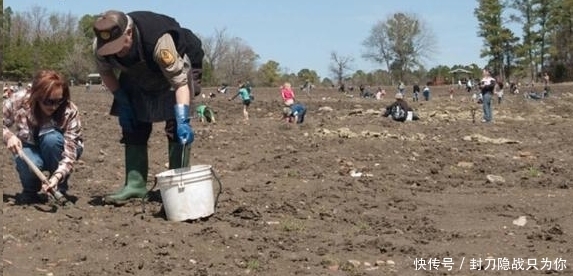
[[301, 34]]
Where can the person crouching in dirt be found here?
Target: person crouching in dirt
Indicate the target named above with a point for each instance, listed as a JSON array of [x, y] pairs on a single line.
[[245, 97], [365, 92], [400, 110], [294, 113], [205, 114], [48, 131], [223, 88]]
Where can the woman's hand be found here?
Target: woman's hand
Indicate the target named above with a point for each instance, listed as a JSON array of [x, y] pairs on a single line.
[[52, 182], [14, 144]]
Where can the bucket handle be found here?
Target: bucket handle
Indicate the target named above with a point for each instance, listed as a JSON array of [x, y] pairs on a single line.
[[220, 188]]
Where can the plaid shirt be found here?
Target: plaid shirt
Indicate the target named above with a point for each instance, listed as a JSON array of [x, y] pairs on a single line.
[[16, 113]]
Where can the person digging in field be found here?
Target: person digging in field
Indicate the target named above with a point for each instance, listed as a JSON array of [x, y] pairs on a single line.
[[294, 113], [205, 113], [48, 131], [399, 110], [160, 66], [246, 99]]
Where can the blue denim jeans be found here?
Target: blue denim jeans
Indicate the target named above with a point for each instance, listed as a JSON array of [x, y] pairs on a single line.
[[487, 113], [46, 156]]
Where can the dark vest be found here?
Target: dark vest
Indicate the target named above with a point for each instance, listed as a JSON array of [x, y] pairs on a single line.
[[151, 26], [141, 77]]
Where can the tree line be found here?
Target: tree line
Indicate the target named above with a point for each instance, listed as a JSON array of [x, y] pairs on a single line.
[[401, 44]]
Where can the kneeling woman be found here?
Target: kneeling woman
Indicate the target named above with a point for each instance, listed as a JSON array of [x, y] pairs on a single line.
[[47, 130]]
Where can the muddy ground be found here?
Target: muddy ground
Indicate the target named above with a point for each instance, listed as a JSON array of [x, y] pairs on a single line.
[[443, 192]]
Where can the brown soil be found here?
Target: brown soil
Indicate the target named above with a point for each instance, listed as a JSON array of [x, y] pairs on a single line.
[[289, 205]]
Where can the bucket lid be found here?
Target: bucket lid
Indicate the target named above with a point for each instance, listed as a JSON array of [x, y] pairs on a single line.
[[174, 172]]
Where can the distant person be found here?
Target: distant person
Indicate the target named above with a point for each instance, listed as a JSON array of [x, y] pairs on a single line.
[[342, 88], [246, 99], [205, 113], [249, 88], [306, 87], [487, 85], [401, 88], [415, 92], [499, 92], [545, 84], [380, 93], [287, 94], [469, 86], [365, 92], [400, 110], [426, 93], [48, 131], [513, 88], [294, 113], [222, 89]]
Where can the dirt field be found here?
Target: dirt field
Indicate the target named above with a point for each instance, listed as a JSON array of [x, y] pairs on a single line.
[[443, 192]]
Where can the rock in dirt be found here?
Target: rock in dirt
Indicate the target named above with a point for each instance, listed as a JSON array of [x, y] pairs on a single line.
[[495, 179], [520, 221], [483, 139], [465, 165]]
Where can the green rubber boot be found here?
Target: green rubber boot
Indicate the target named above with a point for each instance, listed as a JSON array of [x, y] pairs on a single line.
[[136, 168], [178, 155]]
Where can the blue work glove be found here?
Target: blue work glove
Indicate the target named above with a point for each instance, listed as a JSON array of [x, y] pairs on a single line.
[[184, 131], [126, 114]]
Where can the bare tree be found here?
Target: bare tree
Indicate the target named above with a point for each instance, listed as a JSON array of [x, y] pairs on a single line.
[[377, 45], [402, 42], [339, 65], [239, 63], [75, 63], [215, 48], [37, 18]]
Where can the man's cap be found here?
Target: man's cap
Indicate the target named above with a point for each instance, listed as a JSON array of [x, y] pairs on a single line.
[[399, 96], [109, 29]]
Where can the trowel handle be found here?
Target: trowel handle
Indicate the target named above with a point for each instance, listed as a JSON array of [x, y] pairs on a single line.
[[32, 166], [51, 191]]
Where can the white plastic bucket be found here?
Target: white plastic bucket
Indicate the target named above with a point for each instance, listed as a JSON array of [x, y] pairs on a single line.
[[187, 193], [410, 116]]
